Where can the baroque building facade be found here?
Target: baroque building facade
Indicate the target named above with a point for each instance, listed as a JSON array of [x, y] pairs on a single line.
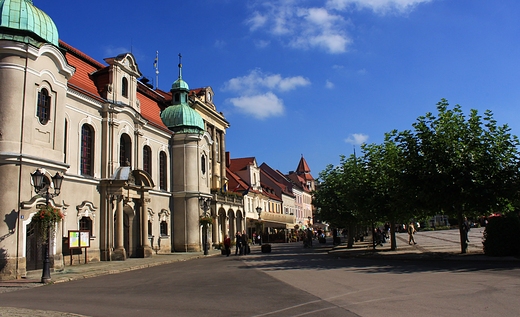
[[137, 162]]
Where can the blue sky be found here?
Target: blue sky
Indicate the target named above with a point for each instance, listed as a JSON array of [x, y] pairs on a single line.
[[314, 77]]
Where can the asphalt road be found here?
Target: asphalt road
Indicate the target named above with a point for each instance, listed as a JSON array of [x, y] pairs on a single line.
[[291, 281]]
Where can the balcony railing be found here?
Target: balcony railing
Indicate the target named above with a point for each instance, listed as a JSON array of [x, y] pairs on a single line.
[[227, 197]]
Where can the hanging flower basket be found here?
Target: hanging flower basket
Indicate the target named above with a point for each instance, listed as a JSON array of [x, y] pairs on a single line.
[[206, 221], [47, 218]]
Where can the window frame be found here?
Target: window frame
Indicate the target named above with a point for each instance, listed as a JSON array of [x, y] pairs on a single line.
[[163, 170], [125, 149], [147, 159], [124, 87], [87, 150], [43, 106]]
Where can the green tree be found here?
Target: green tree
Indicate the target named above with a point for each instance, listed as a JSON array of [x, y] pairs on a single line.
[[462, 167], [391, 191]]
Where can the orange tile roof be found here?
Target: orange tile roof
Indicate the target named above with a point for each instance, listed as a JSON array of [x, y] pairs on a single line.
[[235, 183], [88, 71], [240, 164]]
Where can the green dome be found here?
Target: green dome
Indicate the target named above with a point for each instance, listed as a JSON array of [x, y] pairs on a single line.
[[180, 84], [182, 119], [22, 15]]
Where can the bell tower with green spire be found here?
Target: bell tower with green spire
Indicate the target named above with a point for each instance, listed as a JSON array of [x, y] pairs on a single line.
[[191, 166]]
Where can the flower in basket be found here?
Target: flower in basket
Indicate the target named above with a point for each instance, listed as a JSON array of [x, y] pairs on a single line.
[[47, 218], [206, 220]]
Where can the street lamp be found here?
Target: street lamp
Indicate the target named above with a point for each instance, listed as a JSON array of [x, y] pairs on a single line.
[[205, 203], [259, 212], [41, 187]]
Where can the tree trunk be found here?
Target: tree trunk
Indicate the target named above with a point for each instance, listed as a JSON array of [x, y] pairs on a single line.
[[463, 238], [393, 241], [351, 234], [373, 237]]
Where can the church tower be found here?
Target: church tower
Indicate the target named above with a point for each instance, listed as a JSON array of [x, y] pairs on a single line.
[[190, 148]]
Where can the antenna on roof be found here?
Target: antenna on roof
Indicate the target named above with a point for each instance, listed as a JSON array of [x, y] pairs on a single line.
[[156, 66]]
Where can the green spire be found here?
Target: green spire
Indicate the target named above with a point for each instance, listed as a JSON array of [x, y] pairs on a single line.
[[180, 84], [180, 117]]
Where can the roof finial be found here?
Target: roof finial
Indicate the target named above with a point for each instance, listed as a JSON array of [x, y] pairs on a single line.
[[180, 66]]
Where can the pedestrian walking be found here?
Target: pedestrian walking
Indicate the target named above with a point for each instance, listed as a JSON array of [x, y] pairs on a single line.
[[238, 242], [465, 228], [227, 245], [411, 232], [245, 244]]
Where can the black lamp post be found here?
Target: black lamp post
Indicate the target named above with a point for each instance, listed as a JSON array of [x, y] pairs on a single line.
[[42, 188], [205, 203], [259, 212]]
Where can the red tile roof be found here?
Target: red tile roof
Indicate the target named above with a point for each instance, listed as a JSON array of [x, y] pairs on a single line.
[[240, 164], [90, 76]]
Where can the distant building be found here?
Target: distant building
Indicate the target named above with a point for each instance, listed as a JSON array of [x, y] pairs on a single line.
[[304, 185]]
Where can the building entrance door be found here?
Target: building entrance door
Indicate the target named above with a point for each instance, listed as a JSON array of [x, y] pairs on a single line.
[[33, 249]]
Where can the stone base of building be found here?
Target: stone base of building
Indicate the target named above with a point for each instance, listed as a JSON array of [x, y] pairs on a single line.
[[118, 255], [8, 269], [57, 262], [144, 252], [188, 248]]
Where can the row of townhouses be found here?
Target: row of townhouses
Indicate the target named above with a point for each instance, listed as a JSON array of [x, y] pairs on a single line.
[[140, 165]]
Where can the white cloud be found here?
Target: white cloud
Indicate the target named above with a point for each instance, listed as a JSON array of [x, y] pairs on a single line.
[[302, 27], [256, 92], [261, 43], [378, 6], [320, 26], [114, 51], [260, 106], [256, 21], [329, 84], [257, 81], [357, 139]]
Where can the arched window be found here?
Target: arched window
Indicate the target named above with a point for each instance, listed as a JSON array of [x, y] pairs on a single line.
[[87, 150], [124, 87], [43, 109], [203, 164], [147, 159], [177, 97], [162, 171], [125, 150]]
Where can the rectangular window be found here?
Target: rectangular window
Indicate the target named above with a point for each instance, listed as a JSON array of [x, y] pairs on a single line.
[[162, 171]]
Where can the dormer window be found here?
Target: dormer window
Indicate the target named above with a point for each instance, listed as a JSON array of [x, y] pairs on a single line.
[[177, 97], [44, 106], [124, 87]]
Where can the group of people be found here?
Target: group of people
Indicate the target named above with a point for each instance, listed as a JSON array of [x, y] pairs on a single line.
[[241, 244]]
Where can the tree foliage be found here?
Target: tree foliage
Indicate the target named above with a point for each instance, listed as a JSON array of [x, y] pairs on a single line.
[[446, 164]]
